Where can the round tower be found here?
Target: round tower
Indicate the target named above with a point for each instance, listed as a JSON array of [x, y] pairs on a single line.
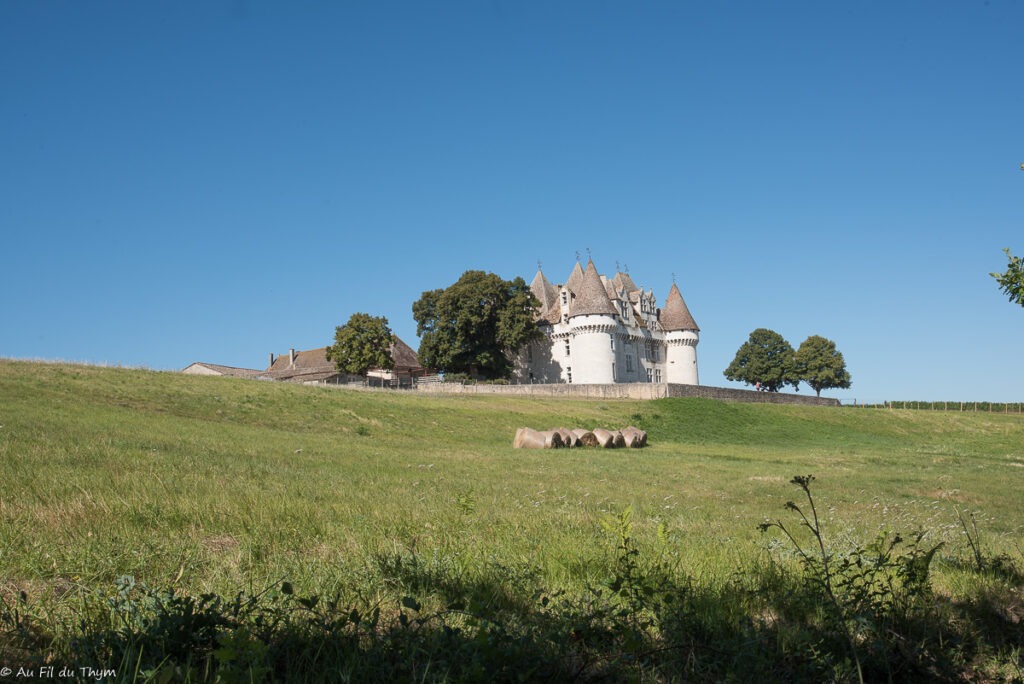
[[681, 337], [592, 327]]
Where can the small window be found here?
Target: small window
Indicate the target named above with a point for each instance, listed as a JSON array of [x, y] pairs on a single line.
[[629, 363], [613, 343], [565, 298], [568, 374], [650, 375], [567, 350]]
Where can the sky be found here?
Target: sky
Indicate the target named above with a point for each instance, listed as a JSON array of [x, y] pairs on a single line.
[[216, 181]]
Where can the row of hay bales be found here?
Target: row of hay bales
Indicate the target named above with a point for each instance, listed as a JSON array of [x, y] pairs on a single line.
[[558, 438]]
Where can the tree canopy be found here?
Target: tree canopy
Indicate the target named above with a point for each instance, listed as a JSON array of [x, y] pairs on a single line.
[[361, 344], [475, 325], [766, 358], [821, 365], [1012, 281]]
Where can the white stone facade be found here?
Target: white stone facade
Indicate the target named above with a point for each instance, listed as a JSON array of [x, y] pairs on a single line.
[[600, 330]]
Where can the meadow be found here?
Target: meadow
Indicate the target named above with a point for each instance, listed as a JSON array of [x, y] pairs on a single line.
[[181, 528]]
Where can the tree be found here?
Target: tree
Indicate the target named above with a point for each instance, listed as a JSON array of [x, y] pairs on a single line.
[[476, 325], [821, 365], [766, 358], [361, 344], [1012, 282]]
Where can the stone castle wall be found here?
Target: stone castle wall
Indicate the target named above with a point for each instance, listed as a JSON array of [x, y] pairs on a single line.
[[634, 390]]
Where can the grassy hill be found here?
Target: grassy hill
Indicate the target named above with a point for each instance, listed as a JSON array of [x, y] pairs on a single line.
[[220, 485]]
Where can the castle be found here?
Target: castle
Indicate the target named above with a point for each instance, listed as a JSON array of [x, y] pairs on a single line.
[[608, 330]]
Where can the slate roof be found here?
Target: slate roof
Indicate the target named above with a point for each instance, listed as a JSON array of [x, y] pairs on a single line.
[[624, 282], [675, 315], [592, 298], [575, 281], [543, 290]]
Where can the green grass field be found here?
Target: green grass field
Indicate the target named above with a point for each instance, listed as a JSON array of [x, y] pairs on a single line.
[[220, 485]]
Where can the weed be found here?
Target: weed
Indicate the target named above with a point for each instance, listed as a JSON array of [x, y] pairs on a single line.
[[867, 589]]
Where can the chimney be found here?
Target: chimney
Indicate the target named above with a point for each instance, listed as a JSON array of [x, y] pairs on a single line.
[[291, 357], [271, 359]]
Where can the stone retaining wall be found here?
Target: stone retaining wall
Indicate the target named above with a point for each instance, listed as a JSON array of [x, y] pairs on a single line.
[[636, 390]]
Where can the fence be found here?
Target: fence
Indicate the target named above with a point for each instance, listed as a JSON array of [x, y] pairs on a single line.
[[961, 406]]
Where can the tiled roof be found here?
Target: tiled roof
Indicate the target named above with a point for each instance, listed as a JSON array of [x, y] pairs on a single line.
[[312, 364], [552, 315], [549, 310], [403, 355], [675, 315], [624, 282], [575, 281], [227, 370], [543, 290], [592, 298]]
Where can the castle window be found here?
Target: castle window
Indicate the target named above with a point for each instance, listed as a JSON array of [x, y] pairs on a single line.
[[568, 374], [613, 343], [657, 375], [567, 351], [650, 375], [629, 363], [565, 298]]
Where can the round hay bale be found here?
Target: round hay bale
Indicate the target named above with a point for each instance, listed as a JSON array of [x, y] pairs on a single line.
[[585, 437], [552, 439], [568, 438], [618, 441], [528, 438], [605, 438], [635, 437]]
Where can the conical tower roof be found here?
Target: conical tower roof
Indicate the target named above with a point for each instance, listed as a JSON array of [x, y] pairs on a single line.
[[575, 281], [543, 290], [592, 298], [675, 315]]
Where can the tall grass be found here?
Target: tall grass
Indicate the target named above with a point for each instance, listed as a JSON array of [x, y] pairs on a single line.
[[196, 485]]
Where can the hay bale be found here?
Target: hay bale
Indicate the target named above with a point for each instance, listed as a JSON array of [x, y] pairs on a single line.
[[618, 441], [605, 438], [635, 437], [568, 438], [552, 439], [631, 439], [585, 437], [528, 438]]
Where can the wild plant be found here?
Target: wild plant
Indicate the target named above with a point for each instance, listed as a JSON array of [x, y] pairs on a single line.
[[865, 588]]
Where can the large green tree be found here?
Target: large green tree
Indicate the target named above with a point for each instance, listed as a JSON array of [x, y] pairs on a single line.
[[821, 365], [1012, 282], [766, 358], [475, 325], [361, 344]]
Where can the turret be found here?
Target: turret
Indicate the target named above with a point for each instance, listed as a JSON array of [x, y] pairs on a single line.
[[593, 325], [681, 336]]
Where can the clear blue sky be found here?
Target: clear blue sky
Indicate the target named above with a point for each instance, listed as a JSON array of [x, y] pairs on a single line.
[[215, 181]]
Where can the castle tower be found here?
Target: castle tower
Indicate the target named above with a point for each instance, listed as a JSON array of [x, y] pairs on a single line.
[[681, 336], [592, 326]]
